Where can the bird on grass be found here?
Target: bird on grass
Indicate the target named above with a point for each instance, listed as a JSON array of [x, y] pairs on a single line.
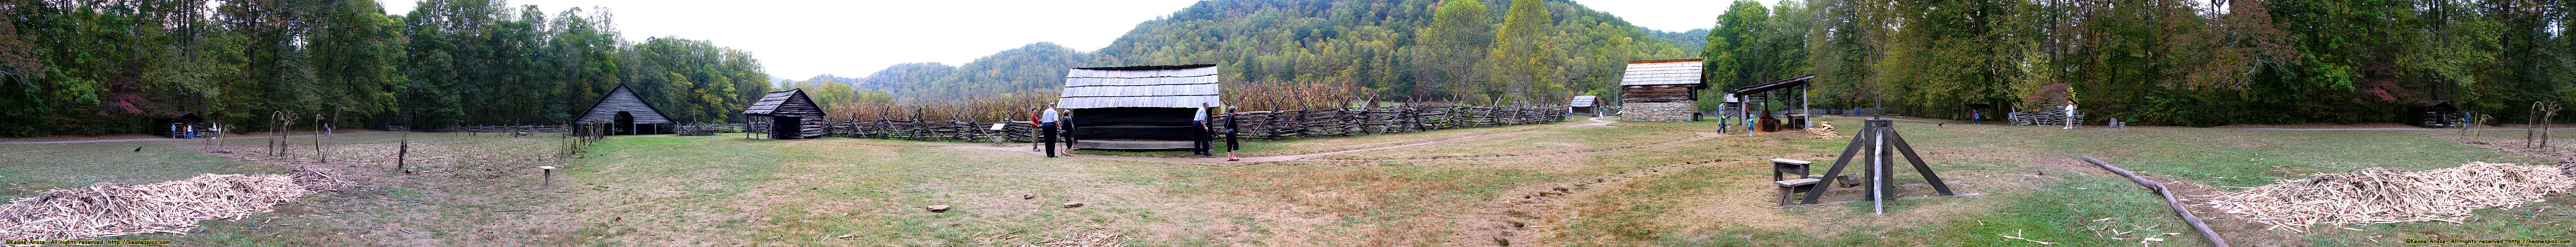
[[138, 148]]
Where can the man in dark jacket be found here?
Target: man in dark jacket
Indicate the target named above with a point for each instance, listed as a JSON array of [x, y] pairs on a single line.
[[1047, 129]]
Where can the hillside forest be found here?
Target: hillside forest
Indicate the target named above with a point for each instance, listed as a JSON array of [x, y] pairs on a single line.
[[91, 67], [2155, 62]]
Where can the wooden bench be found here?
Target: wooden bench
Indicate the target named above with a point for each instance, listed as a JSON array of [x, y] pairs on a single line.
[[1803, 183], [1794, 186], [1781, 167]]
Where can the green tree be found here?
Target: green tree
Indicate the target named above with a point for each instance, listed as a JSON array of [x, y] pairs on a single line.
[[1521, 60], [1448, 49]]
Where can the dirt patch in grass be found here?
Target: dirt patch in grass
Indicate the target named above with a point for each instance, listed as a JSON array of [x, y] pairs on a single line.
[[462, 191], [1527, 214], [1535, 148]]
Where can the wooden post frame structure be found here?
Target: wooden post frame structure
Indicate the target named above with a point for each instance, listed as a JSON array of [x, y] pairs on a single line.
[[792, 115], [1877, 137], [1137, 107], [623, 110], [1747, 93]]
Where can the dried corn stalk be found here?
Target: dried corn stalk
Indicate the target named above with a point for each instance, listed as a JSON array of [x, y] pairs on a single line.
[[318, 178], [1096, 239], [111, 209], [1824, 131], [2380, 195]]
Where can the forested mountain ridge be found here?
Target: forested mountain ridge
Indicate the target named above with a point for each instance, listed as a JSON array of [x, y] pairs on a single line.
[[104, 67], [1376, 44]]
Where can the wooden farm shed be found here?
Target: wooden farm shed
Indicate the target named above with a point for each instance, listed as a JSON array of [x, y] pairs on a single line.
[[626, 113], [792, 115], [1583, 105], [1764, 90], [186, 125], [1661, 90], [1139, 107]]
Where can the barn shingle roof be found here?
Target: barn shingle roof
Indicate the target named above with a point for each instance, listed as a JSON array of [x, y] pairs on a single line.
[[622, 99], [1663, 72], [1174, 86], [790, 103], [1583, 101]]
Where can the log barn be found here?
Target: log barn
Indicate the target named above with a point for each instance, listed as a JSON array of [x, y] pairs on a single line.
[[625, 113], [1583, 105], [1137, 107], [792, 115], [1661, 90]]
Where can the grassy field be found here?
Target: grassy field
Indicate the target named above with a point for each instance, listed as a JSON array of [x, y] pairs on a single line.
[[1568, 184]]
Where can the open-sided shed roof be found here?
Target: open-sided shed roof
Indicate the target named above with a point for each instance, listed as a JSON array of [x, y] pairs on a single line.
[[623, 100], [1663, 72], [1583, 101], [1176, 86], [1775, 85], [790, 103]]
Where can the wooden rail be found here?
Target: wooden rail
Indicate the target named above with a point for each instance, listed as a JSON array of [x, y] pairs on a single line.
[[1264, 125]]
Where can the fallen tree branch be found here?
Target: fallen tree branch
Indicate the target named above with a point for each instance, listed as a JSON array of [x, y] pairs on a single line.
[[2159, 188]]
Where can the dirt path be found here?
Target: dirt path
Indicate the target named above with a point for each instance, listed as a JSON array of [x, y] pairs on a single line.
[[1016, 148], [1515, 218], [1699, 136]]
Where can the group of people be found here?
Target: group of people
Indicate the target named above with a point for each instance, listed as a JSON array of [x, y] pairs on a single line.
[[1055, 123]]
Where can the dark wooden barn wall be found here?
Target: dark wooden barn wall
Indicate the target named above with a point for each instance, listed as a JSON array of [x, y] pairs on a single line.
[[1133, 123], [1657, 94]]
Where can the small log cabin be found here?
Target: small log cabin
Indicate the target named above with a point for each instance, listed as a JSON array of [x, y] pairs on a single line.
[[792, 115], [1661, 90], [626, 113], [1583, 105], [1138, 107]]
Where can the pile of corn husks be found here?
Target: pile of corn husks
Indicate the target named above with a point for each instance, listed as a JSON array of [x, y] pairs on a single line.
[[2380, 195], [1823, 130], [113, 209]]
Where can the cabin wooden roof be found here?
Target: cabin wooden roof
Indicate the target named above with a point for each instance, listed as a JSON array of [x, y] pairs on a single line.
[[1583, 101], [1664, 72], [1174, 86], [1775, 85], [790, 103], [622, 99]]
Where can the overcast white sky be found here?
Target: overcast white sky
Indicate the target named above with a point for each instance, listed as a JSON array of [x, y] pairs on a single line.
[[800, 39]]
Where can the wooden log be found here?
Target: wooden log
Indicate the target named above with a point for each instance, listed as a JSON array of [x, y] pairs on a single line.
[[2178, 208]]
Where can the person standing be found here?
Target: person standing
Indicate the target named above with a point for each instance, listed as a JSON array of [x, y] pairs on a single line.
[[1975, 117], [1066, 128], [1232, 142], [2070, 115], [1199, 142], [1047, 127]]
